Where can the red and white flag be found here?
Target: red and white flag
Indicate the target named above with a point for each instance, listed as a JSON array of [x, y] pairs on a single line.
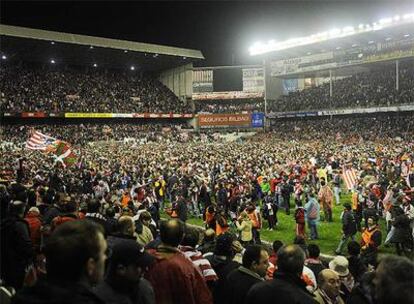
[[350, 177], [39, 141]]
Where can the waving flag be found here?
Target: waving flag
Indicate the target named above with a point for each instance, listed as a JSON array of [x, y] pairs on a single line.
[[61, 150], [350, 177], [39, 141]]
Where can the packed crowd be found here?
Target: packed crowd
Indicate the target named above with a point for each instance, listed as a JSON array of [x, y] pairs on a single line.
[[60, 225], [26, 88], [370, 89], [82, 134], [230, 106]]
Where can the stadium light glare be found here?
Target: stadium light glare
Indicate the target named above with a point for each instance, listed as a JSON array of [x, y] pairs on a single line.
[[125, 51], [334, 32], [348, 30], [271, 45], [91, 47], [52, 42], [384, 21], [52, 61], [132, 68], [408, 16], [95, 65], [4, 57]]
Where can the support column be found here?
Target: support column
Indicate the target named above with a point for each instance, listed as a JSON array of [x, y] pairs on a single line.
[[265, 94], [397, 75]]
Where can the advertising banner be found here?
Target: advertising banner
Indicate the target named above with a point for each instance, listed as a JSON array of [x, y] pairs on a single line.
[[88, 115], [223, 120], [34, 114], [227, 95], [258, 120]]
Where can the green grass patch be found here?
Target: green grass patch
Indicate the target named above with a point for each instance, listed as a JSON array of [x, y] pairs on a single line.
[[329, 233]]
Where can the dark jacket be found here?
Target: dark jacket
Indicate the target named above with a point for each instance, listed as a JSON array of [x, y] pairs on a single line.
[[238, 285], [45, 292], [222, 269], [284, 288], [182, 210], [348, 223], [356, 267], [141, 294], [16, 250]]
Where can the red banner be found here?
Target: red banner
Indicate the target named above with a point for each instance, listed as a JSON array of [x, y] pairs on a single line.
[[34, 114], [222, 120]]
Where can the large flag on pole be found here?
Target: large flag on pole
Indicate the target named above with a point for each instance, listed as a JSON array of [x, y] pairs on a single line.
[[350, 177]]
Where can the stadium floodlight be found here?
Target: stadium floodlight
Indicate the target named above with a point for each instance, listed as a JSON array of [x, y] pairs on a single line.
[[52, 42], [95, 65], [348, 30], [385, 21], [125, 51], [408, 16], [52, 61], [4, 57], [132, 68], [334, 32], [91, 47], [407, 35]]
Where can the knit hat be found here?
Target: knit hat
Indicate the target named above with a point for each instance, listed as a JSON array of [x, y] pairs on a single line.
[[34, 209], [340, 265]]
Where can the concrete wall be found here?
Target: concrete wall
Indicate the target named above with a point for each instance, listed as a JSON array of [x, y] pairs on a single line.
[[179, 80]]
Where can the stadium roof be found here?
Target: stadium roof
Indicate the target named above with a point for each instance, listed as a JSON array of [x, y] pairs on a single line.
[[42, 46], [335, 39]]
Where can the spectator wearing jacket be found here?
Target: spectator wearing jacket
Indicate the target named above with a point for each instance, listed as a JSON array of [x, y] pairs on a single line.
[[16, 246], [33, 219], [312, 216], [349, 227], [244, 225], [313, 262], [78, 248], [329, 288], [370, 242], [287, 285], [123, 281], [251, 272], [325, 196], [174, 277], [356, 263]]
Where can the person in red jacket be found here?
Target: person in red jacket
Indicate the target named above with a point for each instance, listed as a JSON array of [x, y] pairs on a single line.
[[174, 277], [35, 223]]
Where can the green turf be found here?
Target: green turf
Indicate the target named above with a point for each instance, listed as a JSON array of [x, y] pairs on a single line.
[[329, 233]]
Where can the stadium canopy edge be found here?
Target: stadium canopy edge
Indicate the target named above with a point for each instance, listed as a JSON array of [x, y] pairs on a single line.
[[24, 32]]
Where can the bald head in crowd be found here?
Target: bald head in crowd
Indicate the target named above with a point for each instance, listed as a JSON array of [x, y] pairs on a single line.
[[126, 225], [328, 281], [290, 259], [171, 232]]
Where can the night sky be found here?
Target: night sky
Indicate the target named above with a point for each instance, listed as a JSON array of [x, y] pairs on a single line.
[[223, 31]]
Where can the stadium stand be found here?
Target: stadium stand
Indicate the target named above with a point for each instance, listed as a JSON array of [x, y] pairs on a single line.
[[31, 88]]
